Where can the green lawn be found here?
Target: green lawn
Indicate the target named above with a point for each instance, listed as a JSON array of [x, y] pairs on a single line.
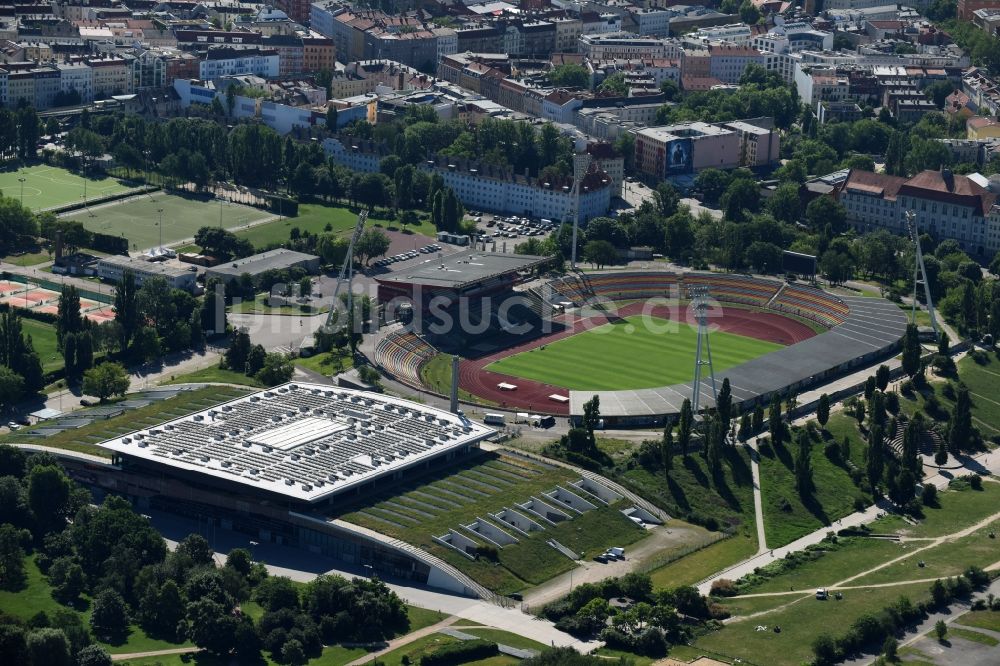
[[982, 619], [983, 382], [27, 258], [83, 439], [137, 218], [787, 515], [259, 305], [43, 336], [801, 622], [217, 375], [958, 509], [326, 363], [501, 637], [436, 375], [48, 187], [701, 564], [314, 218], [947, 559], [637, 352], [486, 484], [36, 597]]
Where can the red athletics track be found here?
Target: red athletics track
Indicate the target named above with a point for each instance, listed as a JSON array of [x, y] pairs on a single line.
[[534, 396]]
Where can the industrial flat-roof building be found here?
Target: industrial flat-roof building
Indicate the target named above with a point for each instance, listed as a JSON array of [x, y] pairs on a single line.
[[113, 267], [279, 259]]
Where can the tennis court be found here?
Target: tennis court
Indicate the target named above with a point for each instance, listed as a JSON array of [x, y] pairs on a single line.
[[136, 218], [47, 187]]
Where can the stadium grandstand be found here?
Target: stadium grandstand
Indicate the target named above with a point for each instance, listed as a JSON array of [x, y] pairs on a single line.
[[400, 353]]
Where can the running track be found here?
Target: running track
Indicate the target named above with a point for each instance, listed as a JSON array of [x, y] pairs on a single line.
[[534, 396]]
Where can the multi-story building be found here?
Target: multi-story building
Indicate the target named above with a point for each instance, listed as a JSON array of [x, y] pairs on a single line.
[[77, 77], [111, 269], [967, 8], [289, 50], [652, 21], [687, 148], [35, 84], [946, 205], [728, 62], [318, 53], [113, 75], [628, 47], [488, 186], [568, 32], [607, 23], [297, 10], [224, 61], [734, 33], [160, 67]]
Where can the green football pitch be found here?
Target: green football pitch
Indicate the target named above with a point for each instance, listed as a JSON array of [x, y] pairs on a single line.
[[137, 218], [630, 354], [47, 187]]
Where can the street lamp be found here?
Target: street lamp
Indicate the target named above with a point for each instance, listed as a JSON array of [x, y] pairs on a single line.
[[21, 180], [160, 225]]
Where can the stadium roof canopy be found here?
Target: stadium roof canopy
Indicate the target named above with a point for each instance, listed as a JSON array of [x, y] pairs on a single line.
[[463, 269], [305, 442]]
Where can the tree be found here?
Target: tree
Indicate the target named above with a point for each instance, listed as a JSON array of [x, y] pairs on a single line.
[[372, 243], [11, 387], [12, 574], [911, 350], [68, 318], [277, 369], [836, 266], [786, 203], [592, 419], [106, 380], [712, 183], [600, 253], [775, 425], [66, 579], [293, 653], [940, 628], [684, 427], [667, 448], [825, 650], [724, 404], [741, 199], [93, 655], [569, 75], [960, 431], [882, 377], [749, 13], [875, 458], [824, 211], [48, 496], [127, 308], [803, 465], [331, 118], [48, 646], [213, 627], [196, 548], [823, 409], [109, 618]]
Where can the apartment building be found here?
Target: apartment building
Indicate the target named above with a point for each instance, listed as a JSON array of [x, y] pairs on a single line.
[[628, 47], [224, 61]]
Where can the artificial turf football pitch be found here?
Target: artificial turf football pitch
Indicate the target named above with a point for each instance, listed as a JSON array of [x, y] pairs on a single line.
[[633, 353]]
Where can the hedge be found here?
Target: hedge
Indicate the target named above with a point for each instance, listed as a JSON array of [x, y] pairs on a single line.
[[460, 653]]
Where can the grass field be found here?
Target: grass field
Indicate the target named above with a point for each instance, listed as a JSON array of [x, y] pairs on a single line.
[[314, 218], [433, 505], [701, 564], [48, 187], [137, 218], [436, 374], [787, 515], [628, 355], [215, 375], [83, 439], [800, 622], [326, 363], [43, 337]]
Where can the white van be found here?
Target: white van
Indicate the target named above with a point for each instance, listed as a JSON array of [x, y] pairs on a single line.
[[495, 419]]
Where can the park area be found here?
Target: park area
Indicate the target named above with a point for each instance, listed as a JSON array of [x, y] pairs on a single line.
[[436, 504], [631, 353], [137, 218], [46, 187]]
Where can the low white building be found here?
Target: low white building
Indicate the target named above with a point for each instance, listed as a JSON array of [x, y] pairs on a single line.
[[112, 268]]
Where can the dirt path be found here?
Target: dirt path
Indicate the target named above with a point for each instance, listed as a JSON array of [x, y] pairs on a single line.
[[154, 653], [404, 640], [843, 584]]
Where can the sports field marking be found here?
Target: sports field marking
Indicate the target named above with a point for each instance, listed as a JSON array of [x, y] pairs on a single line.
[[628, 355], [48, 187]]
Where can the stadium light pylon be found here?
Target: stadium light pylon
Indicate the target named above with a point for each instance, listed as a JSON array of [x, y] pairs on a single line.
[[699, 303]]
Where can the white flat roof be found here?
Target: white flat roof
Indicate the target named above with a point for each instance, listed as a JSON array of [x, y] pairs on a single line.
[[303, 441]]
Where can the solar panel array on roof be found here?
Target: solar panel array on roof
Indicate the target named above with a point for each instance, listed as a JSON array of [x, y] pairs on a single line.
[[303, 440]]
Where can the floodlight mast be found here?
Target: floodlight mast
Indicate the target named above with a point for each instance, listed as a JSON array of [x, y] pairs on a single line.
[[347, 272], [699, 303], [581, 163], [919, 272]]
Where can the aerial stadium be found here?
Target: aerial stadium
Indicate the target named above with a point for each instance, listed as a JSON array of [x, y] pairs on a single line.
[[549, 345]]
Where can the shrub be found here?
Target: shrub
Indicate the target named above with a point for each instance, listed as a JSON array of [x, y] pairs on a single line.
[[724, 587], [832, 451], [892, 402], [929, 495], [460, 653]]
